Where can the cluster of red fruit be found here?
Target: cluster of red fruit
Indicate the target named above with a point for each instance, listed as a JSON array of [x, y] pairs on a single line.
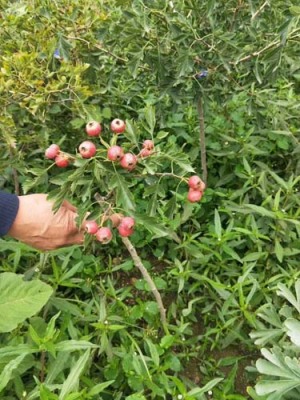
[[87, 149], [196, 188], [128, 161], [103, 234]]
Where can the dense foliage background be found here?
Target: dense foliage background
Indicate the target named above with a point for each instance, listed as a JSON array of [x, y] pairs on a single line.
[[224, 267]]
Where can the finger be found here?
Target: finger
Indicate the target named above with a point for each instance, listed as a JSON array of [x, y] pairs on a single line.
[[69, 206]]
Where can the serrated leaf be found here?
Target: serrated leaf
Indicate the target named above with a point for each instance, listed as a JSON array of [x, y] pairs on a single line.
[[123, 195], [20, 300], [155, 227]]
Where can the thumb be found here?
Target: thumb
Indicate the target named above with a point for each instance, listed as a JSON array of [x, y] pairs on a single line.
[[68, 206]]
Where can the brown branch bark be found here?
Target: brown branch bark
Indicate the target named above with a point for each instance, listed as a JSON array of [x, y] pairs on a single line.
[[202, 139], [138, 263]]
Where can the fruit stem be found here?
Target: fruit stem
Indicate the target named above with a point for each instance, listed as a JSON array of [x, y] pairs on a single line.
[[138, 263]]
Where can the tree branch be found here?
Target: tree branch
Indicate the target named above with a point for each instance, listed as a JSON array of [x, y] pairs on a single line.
[[202, 139]]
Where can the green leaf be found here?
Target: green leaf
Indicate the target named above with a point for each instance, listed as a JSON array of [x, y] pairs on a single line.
[[99, 388], [20, 300], [150, 118], [9, 369], [153, 352], [124, 196], [72, 381], [293, 330], [218, 226], [204, 389]]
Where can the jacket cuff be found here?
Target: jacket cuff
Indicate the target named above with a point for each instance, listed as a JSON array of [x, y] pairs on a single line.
[[9, 206]]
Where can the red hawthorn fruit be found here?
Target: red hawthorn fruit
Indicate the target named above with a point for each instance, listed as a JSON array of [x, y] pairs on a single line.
[[126, 227], [62, 160], [116, 219], [127, 222], [52, 151], [115, 153], [118, 125], [125, 232], [87, 149], [148, 144], [104, 235], [194, 195], [195, 182], [128, 161], [145, 153], [91, 227], [93, 128]]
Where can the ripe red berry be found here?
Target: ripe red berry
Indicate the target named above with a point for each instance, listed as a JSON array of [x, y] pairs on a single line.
[[124, 232], [195, 182], [127, 222], [104, 235], [91, 227], [87, 149], [145, 153], [128, 161], [115, 153], [52, 151], [62, 160], [148, 144], [126, 227], [194, 195], [93, 128], [118, 125]]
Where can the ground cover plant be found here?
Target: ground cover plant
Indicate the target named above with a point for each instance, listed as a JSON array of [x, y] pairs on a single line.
[[115, 105]]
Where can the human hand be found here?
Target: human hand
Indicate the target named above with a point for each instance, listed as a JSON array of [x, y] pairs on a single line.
[[37, 225]]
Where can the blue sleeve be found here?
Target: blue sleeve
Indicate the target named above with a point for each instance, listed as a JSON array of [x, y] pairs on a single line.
[[9, 205]]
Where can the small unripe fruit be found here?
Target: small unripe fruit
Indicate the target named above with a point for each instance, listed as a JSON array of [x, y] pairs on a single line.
[[62, 160], [91, 227], [194, 195], [93, 128], [128, 161], [145, 153], [195, 182], [87, 149], [104, 235], [116, 219], [52, 151], [148, 144], [115, 153], [118, 125]]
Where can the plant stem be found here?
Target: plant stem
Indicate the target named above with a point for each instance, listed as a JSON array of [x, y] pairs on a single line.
[[202, 139], [138, 263]]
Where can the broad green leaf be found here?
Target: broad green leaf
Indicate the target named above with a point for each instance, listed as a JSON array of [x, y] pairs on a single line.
[[20, 300]]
